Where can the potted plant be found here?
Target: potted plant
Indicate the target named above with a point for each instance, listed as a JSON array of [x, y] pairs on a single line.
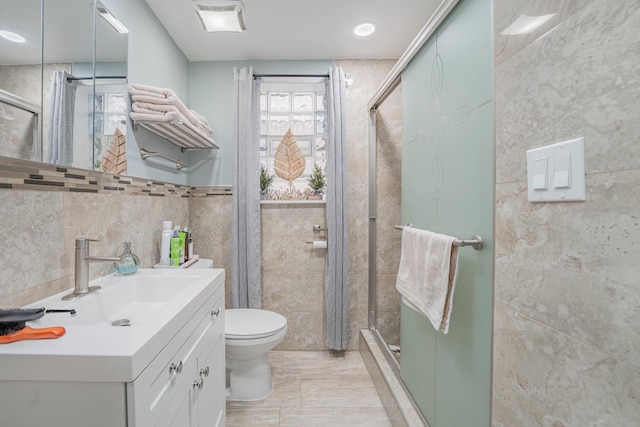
[[266, 179], [317, 182]]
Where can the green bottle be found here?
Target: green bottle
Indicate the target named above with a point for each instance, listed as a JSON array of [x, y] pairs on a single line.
[[176, 249]]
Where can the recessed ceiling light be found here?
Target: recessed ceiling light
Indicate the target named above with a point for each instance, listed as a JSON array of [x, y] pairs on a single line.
[[365, 29], [221, 18], [12, 37]]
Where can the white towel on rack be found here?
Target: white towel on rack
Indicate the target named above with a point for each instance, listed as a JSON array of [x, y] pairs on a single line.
[[161, 96], [159, 92], [427, 274], [155, 116]]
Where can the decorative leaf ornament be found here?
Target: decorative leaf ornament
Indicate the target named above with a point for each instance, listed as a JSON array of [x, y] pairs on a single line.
[[289, 161], [114, 159]]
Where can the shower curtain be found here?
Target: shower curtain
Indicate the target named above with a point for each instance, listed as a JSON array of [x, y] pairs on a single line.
[[336, 290], [63, 99], [245, 266]]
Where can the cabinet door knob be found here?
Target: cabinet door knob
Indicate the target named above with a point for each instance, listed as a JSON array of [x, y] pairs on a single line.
[[175, 368], [215, 313], [204, 371], [198, 384]]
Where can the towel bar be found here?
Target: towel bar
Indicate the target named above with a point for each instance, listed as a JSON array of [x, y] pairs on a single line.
[[144, 154], [475, 242]]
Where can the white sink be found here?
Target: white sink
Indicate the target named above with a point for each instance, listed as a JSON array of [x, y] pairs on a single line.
[[134, 298], [157, 303]]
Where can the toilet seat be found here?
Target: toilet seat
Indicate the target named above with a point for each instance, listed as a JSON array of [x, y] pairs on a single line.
[[249, 323]]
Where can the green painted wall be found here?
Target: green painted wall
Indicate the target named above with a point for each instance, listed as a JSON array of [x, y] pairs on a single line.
[[153, 59], [448, 187]]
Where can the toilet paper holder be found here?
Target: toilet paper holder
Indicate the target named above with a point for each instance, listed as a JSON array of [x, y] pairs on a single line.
[[318, 229], [318, 244]]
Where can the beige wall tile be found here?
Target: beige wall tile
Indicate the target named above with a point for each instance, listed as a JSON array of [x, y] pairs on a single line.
[[573, 82], [573, 266], [566, 349], [296, 291], [545, 378], [34, 240], [507, 11], [292, 220], [46, 223]]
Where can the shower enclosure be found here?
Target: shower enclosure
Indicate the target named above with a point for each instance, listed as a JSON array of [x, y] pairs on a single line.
[[387, 173], [431, 164]]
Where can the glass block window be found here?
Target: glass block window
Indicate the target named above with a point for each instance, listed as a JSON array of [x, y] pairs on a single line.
[[109, 114], [305, 113]]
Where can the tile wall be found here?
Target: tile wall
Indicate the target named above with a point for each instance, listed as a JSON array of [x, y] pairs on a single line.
[[45, 208], [567, 301]]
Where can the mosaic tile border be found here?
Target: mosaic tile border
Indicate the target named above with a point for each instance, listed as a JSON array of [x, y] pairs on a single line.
[[28, 175]]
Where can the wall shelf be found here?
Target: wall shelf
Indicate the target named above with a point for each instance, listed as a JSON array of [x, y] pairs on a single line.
[[180, 132]]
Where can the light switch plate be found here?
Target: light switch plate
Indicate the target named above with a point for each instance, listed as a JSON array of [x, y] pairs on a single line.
[[564, 179]]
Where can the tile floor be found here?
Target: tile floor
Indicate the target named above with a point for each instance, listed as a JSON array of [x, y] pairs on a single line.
[[314, 388]]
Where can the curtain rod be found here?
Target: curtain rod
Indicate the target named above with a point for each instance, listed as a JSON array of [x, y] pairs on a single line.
[[256, 76], [69, 79]]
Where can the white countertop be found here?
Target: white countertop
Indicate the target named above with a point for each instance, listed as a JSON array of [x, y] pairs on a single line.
[[94, 350]]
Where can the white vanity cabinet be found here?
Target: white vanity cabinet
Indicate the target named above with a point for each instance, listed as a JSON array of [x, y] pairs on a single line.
[[166, 369], [185, 384]]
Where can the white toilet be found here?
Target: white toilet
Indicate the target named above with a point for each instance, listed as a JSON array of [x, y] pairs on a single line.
[[250, 334]]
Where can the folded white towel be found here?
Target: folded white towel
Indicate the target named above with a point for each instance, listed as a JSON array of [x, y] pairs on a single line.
[[427, 274], [161, 96], [161, 108], [155, 116], [153, 90]]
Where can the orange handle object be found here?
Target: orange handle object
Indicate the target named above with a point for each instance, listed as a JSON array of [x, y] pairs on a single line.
[[33, 334]]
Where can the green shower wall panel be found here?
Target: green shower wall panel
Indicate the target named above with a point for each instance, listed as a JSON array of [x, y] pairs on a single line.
[[447, 187]]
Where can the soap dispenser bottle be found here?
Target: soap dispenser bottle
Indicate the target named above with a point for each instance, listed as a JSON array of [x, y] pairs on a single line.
[[129, 262]]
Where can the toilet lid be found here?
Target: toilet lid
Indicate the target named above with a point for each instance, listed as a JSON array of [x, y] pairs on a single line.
[[246, 323]]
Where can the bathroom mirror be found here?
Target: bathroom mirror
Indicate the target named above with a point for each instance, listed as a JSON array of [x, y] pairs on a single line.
[[52, 109], [21, 79]]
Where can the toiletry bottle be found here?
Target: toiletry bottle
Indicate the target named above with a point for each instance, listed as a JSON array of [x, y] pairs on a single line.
[[190, 243], [187, 252], [176, 249], [129, 262], [183, 246], [165, 246]]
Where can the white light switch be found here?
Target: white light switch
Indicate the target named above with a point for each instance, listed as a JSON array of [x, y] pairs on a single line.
[[556, 172], [540, 174], [562, 171]]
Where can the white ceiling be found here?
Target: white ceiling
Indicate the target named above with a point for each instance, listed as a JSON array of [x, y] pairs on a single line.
[[299, 29], [276, 29]]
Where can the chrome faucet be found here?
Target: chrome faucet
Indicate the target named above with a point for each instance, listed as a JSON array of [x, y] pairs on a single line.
[[82, 287]]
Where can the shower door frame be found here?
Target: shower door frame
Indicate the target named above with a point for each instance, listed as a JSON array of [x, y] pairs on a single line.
[[391, 82]]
